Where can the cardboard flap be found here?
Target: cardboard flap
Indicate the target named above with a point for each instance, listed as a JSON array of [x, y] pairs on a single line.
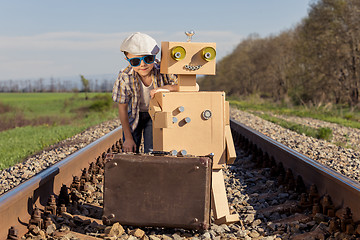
[[162, 120], [229, 142], [153, 108], [227, 113]]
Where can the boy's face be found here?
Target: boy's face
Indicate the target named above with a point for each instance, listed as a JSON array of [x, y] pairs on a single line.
[[143, 69]]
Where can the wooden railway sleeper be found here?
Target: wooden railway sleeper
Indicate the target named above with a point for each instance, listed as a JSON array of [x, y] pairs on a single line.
[[341, 220]]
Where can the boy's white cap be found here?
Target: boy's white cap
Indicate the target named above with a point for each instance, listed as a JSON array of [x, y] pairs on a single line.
[[140, 44]]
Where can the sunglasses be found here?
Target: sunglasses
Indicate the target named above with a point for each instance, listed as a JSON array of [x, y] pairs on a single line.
[[134, 62]]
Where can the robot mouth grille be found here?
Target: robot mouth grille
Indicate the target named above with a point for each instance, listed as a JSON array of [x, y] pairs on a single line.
[[192, 68]]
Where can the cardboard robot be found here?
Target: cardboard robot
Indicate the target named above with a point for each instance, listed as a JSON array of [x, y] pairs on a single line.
[[191, 122]]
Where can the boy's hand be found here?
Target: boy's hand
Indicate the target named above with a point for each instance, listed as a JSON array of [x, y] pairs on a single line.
[[129, 145]]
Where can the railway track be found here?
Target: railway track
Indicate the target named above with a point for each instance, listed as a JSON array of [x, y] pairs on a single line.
[[277, 192]]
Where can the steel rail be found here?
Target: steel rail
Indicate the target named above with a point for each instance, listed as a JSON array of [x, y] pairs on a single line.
[[344, 192], [17, 204]]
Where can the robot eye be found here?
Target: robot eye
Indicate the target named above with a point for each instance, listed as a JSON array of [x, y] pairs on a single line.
[[178, 53], [208, 53]]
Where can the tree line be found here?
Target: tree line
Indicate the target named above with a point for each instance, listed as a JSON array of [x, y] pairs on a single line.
[[57, 85], [316, 62]]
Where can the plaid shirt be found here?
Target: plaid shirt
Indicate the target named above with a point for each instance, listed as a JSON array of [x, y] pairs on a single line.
[[127, 89]]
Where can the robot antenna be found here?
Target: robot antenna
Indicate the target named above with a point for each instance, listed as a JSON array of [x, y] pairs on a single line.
[[189, 34]]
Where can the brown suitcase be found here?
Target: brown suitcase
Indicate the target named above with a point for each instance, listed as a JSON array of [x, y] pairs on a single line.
[[157, 191]]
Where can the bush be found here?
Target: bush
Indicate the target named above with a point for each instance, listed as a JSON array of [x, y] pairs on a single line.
[[101, 103], [4, 108], [324, 133], [349, 116]]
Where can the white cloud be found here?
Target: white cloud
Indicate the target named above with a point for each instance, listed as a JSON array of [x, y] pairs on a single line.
[[71, 53], [62, 40], [102, 41]]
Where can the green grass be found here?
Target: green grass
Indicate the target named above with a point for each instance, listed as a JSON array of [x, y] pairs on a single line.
[[35, 105], [319, 133], [18, 143], [334, 114], [68, 114]]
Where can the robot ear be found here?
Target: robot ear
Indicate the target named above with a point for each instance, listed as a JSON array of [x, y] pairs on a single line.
[[208, 53], [178, 53]]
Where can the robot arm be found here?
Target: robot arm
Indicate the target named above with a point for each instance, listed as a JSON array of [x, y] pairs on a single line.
[[160, 119]]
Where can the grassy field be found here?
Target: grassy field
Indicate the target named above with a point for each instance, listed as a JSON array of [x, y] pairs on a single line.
[[31, 122]]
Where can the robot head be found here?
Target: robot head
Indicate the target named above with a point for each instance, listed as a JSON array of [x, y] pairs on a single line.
[[188, 58]]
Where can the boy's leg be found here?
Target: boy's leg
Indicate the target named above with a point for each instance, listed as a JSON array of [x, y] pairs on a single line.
[[148, 135], [144, 127], [137, 133]]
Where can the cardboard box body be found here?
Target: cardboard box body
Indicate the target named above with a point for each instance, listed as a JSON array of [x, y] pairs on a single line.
[[160, 191], [198, 136]]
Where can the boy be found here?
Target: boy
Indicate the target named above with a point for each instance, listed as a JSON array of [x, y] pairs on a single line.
[[134, 87]]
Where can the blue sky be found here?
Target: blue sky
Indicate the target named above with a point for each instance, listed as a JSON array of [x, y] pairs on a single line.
[[46, 38]]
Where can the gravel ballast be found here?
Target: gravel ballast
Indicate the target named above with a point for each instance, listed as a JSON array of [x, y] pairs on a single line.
[[249, 192], [343, 160]]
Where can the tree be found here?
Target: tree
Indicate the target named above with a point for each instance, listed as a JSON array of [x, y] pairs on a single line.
[[316, 62], [85, 84], [328, 51]]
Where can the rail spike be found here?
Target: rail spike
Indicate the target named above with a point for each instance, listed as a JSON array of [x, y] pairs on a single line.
[[13, 234]]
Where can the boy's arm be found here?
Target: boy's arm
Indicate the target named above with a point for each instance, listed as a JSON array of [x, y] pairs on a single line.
[[129, 144]]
